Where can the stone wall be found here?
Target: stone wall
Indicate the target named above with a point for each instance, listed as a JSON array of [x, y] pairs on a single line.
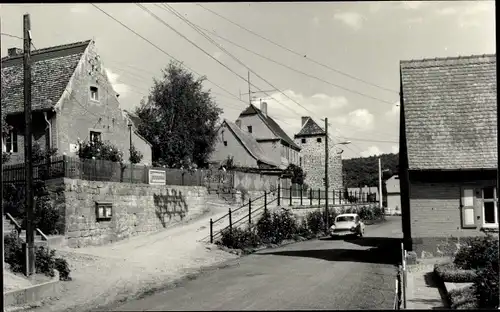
[[137, 208], [313, 163]]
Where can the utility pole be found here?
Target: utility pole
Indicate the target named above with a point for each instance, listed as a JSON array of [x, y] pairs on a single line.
[[130, 152], [30, 233], [380, 181], [1, 169], [249, 91], [326, 175]]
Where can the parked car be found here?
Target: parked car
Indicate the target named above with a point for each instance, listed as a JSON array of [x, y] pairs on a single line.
[[347, 224]]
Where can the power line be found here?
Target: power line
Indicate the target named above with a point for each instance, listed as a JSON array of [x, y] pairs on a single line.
[[160, 49], [296, 53], [296, 70], [237, 60]]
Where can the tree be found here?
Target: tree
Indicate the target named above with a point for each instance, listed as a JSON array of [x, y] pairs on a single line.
[[362, 171], [5, 131], [135, 155], [296, 174], [179, 119]]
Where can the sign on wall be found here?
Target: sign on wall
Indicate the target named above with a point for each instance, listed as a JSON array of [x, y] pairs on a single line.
[[157, 177], [73, 148]]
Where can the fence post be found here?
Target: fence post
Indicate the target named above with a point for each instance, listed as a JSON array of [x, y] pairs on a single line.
[[265, 200], [64, 166], [301, 189], [182, 177], [333, 196], [211, 231], [319, 197], [250, 211], [310, 197], [279, 193], [290, 195], [230, 221]]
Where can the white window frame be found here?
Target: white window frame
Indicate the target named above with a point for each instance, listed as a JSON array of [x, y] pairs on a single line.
[[96, 93], [9, 148], [495, 203]]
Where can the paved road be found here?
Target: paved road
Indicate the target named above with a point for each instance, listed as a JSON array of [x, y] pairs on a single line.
[[320, 274]]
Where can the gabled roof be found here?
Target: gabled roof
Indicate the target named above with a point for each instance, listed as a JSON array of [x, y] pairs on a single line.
[[135, 120], [250, 144], [51, 71], [310, 128], [450, 112], [271, 124]]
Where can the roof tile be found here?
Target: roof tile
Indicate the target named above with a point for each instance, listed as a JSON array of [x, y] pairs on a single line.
[[52, 69], [450, 112]]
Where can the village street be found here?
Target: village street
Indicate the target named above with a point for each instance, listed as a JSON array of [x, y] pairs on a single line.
[[318, 274]]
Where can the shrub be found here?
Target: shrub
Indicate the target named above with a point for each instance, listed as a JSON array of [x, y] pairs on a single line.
[[285, 226], [45, 261], [63, 268], [14, 253], [303, 230], [316, 222], [477, 253], [46, 217], [264, 227], [450, 273], [238, 238], [487, 281], [100, 150], [463, 298], [135, 155]]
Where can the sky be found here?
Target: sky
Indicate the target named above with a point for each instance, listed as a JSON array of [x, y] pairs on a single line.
[[335, 60]]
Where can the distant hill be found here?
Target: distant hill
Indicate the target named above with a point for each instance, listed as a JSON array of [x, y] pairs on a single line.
[[364, 170]]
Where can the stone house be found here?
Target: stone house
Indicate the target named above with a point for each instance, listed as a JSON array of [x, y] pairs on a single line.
[[448, 151], [275, 143], [232, 141], [72, 98], [311, 139], [393, 195]]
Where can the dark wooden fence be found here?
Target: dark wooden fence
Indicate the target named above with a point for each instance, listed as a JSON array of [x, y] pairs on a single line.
[[102, 170]]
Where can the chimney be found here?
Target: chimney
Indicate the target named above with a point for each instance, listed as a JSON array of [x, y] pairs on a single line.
[[238, 123], [14, 52], [263, 108], [304, 120]]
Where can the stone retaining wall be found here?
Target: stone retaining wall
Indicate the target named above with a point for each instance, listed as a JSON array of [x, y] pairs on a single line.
[[136, 208]]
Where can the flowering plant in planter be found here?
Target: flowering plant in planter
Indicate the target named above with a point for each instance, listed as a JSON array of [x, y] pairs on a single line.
[[104, 151]]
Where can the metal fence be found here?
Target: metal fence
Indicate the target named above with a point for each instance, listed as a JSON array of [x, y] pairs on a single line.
[[301, 196], [103, 170], [401, 282]]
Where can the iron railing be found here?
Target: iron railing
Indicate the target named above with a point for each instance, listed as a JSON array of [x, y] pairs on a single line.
[[295, 195]]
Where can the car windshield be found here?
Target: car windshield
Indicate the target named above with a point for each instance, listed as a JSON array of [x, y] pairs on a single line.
[[345, 219]]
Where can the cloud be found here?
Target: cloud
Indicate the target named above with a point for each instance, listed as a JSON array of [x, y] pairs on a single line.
[[468, 14], [395, 149], [351, 19], [415, 20], [120, 88], [361, 119], [371, 151]]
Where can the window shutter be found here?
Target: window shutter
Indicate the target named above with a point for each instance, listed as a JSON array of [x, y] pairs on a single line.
[[467, 207]]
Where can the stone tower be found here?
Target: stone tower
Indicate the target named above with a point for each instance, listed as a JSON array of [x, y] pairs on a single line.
[[311, 139]]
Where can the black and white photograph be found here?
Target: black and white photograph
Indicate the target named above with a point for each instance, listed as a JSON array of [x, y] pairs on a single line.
[[225, 156]]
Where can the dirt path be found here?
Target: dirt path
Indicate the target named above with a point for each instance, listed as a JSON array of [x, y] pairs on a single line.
[[105, 274]]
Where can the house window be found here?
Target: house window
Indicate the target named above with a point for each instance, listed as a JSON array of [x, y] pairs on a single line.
[[11, 141], [249, 129], [95, 136], [225, 143], [303, 140], [94, 94], [490, 216], [318, 140]]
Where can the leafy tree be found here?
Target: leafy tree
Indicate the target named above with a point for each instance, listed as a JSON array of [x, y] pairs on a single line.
[[179, 119], [362, 171], [296, 174], [135, 155]]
